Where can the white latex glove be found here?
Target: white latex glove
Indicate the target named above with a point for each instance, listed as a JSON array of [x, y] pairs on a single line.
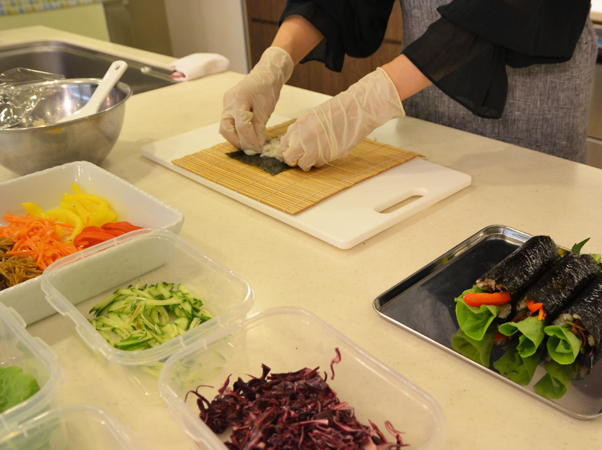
[[337, 126], [249, 104]]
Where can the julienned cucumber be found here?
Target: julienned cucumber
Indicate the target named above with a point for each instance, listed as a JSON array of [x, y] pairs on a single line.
[[141, 317]]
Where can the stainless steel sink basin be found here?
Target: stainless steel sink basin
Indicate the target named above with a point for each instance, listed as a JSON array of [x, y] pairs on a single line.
[[80, 62]]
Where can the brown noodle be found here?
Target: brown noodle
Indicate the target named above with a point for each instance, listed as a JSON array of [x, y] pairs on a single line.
[[15, 269]]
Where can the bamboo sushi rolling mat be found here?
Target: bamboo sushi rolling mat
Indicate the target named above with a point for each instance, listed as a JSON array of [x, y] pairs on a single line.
[[294, 190]]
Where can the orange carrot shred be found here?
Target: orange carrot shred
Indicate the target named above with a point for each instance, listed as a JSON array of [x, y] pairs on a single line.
[[36, 237], [541, 315]]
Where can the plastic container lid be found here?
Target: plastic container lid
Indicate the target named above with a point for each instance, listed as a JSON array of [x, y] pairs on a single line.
[[73, 427], [36, 359], [288, 340], [146, 256]]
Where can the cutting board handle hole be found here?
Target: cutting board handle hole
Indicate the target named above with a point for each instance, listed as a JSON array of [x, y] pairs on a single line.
[[388, 207]]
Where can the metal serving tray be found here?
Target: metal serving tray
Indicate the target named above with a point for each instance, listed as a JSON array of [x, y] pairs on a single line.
[[424, 304]]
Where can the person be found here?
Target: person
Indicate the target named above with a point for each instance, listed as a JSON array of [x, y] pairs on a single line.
[[515, 70]]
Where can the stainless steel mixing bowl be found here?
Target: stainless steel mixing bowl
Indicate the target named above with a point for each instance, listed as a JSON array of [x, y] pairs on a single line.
[[28, 148]]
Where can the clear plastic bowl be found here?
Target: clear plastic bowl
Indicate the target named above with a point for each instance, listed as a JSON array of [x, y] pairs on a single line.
[[290, 339], [45, 189], [72, 427], [147, 256], [34, 357]]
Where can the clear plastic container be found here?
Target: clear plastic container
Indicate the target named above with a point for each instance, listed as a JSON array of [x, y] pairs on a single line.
[[72, 427], [78, 282], [46, 187], [286, 340], [34, 357]]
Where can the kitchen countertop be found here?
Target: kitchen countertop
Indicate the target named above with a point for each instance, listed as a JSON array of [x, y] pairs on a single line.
[[513, 186]]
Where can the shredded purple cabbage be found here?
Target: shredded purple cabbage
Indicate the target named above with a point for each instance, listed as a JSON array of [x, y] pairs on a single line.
[[294, 410]]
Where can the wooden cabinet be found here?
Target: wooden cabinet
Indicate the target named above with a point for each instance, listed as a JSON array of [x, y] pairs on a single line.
[[262, 24]]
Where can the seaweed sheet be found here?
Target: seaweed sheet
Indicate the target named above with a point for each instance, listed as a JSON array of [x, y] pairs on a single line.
[[522, 267], [589, 307], [270, 165], [563, 283]]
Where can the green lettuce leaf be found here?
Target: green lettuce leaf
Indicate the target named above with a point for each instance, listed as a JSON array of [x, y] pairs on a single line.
[[531, 332], [516, 367], [576, 248], [474, 321], [478, 351], [563, 345], [556, 382], [15, 387]]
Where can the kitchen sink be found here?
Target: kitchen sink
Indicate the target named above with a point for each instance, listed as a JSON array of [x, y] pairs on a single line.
[[74, 61]]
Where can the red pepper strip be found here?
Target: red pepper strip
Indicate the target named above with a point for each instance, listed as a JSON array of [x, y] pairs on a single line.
[[533, 306], [499, 336], [94, 235], [486, 298], [120, 226]]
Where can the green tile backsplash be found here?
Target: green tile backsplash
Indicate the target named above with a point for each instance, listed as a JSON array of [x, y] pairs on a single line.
[[25, 6]]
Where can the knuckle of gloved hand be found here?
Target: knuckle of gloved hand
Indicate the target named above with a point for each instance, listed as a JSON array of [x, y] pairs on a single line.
[[226, 127], [244, 117]]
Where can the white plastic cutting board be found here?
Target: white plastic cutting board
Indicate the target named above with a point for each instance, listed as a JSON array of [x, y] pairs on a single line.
[[349, 217]]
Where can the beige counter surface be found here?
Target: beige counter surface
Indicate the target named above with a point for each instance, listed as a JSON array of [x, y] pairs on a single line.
[[527, 190]]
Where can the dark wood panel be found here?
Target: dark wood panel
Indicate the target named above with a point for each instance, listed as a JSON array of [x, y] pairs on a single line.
[[262, 23], [265, 10], [261, 35], [394, 28], [387, 52], [323, 80]]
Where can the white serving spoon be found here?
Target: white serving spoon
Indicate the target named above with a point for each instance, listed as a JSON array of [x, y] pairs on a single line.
[[100, 94]]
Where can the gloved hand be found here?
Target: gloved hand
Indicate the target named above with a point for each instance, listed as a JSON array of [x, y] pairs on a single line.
[[249, 104], [337, 126]]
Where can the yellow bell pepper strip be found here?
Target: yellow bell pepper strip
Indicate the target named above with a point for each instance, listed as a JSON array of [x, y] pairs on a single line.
[[76, 210], [477, 299], [62, 216], [76, 189], [93, 210], [67, 217], [34, 210]]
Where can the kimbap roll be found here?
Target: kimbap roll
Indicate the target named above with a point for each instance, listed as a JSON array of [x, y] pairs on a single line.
[[495, 294], [575, 334], [543, 301]]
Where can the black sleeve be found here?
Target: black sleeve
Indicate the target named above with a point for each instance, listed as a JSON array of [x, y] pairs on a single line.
[[465, 53], [350, 27]]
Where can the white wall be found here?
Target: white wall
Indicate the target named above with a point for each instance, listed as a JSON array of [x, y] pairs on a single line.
[[209, 26]]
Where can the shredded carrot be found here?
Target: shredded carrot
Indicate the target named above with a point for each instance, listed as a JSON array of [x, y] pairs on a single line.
[[37, 237], [541, 315]]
